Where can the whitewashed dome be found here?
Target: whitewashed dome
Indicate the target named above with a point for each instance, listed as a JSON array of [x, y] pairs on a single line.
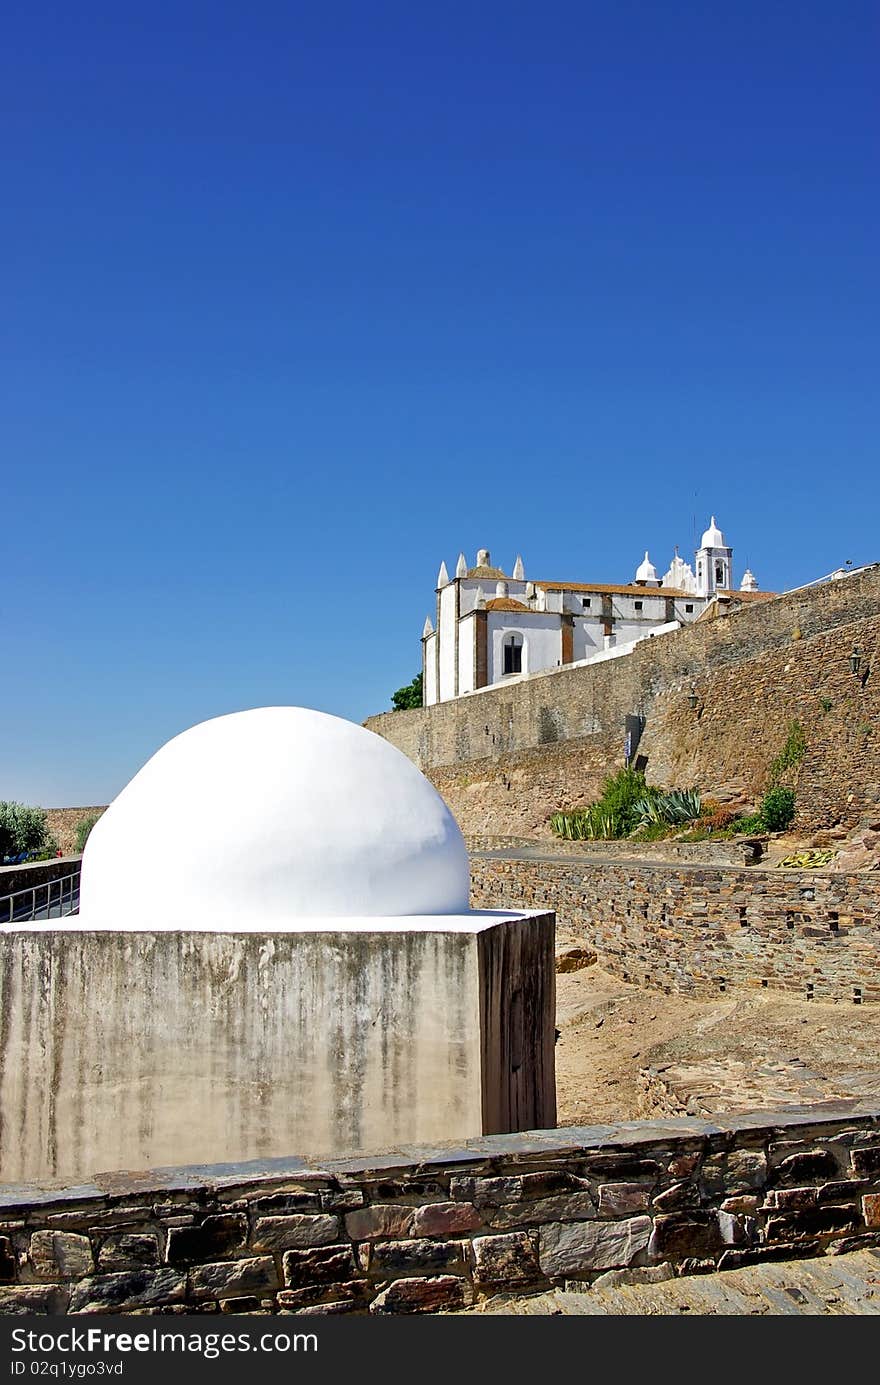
[[713, 537], [646, 571], [267, 817]]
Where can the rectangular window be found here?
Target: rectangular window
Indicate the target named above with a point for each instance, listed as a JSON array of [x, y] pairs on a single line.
[[586, 602], [689, 609], [638, 605], [513, 658]]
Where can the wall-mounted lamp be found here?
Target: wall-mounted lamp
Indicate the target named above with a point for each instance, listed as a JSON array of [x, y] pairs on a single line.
[[693, 700], [855, 659]]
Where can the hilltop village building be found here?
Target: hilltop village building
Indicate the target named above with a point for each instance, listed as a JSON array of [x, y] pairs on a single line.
[[491, 628]]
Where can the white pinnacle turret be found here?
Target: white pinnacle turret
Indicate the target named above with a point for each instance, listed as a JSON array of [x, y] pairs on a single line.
[[427, 629], [519, 572], [749, 582], [442, 576], [646, 573], [461, 567]]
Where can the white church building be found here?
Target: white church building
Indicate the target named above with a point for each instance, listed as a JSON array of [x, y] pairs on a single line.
[[491, 628]]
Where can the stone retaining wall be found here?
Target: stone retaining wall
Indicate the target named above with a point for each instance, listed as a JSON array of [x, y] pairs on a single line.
[[505, 759], [702, 930], [36, 873], [434, 1229]]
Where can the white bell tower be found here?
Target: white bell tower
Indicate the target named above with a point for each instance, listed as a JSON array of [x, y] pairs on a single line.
[[714, 562]]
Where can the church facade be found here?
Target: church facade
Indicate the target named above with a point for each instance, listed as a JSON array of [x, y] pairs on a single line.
[[490, 627]]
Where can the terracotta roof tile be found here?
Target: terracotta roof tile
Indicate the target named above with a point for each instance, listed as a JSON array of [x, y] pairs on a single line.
[[506, 603]]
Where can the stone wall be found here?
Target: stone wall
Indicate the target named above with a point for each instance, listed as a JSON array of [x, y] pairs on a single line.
[[63, 823], [702, 930], [507, 757], [434, 1229]]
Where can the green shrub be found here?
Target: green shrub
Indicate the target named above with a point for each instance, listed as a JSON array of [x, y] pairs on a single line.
[[22, 829], [627, 803], [752, 822], [83, 828], [777, 808]]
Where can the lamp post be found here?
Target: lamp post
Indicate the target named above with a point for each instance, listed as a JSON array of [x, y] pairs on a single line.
[[693, 700], [855, 659]]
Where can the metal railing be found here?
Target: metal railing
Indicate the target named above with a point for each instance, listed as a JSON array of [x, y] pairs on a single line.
[[54, 899]]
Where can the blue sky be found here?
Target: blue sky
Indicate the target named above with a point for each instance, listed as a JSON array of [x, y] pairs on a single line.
[[300, 299]]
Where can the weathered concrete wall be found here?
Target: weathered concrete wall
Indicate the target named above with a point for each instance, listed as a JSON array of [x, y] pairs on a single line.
[[702, 930], [128, 1050], [435, 1228], [506, 758]]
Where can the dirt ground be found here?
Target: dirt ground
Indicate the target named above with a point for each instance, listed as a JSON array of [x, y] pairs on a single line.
[[714, 1054]]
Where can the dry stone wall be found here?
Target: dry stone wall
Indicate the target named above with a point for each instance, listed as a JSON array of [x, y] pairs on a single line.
[[435, 1229], [703, 930], [508, 757]]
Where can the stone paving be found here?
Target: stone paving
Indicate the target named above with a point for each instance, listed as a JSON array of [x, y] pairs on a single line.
[[834, 1285]]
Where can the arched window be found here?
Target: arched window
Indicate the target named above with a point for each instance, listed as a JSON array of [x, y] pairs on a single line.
[[719, 572], [512, 651]]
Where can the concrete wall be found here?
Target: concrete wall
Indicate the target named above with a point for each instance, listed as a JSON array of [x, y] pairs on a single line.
[[508, 757], [436, 1228], [703, 930], [127, 1050]]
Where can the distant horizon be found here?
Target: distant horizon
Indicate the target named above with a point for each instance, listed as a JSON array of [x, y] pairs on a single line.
[[299, 303]]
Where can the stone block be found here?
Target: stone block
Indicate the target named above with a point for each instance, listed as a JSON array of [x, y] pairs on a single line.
[[679, 1196], [24, 1299], [128, 1251], [320, 1265], [295, 1232], [445, 1219], [423, 1295], [790, 1199], [219, 1235], [807, 1164], [866, 1160], [678, 1234], [229, 1278], [505, 1261], [354, 1290], [789, 1226], [380, 1222], [587, 1246], [624, 1199], [122, 1293], [533, 1212], [486, 1192], [414, 1257], [60, 1255], [735, 1172], [871, 1209]]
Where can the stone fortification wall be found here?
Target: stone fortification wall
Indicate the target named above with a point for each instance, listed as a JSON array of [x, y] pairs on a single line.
[[702, 930], [429, 1229], [506, 758]]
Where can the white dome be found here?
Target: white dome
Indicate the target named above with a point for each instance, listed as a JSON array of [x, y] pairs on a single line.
[[267, 817], [713, 537], [646, 571]]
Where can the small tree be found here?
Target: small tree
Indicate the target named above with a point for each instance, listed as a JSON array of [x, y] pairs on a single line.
[[22, 829], [410, 696]]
